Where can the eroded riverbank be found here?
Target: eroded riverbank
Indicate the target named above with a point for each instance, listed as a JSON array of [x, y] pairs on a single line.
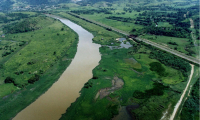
[[52, 104]]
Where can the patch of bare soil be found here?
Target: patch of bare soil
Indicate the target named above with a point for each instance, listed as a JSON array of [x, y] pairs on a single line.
[[166, 113], [123, 114], [116, 84]]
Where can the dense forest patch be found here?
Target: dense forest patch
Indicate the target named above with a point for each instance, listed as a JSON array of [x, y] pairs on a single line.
[[24, 26], [157, 90], [157, 67]]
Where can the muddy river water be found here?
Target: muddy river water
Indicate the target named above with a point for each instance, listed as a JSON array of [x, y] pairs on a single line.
[[53, 103]]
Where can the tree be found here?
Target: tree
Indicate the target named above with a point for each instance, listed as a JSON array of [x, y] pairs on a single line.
[[34, 79]]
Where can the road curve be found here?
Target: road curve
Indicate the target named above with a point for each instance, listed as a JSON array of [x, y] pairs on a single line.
[[162, 47]]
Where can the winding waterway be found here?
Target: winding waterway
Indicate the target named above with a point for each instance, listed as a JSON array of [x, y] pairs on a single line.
[[53, 103]]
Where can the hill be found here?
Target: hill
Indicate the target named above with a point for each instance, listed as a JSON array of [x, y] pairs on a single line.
[[9, 4]]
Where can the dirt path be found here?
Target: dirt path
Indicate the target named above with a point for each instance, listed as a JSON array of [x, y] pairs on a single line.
[[182, 96], [191, 23], [165, 114], [194, 37]]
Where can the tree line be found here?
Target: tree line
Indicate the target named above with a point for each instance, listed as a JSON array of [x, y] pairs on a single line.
[[122, 19], [168, 31], [20, 27], [92, 11], [171, 60]]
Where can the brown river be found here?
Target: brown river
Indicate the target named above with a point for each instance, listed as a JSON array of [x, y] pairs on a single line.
[[54, 102]]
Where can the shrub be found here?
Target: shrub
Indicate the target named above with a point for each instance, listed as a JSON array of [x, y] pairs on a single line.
[[157, 67], [34, 79], [88, 85], [9, 80]]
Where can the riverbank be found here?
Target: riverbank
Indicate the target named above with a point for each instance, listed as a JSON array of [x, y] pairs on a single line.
[[13, 103]]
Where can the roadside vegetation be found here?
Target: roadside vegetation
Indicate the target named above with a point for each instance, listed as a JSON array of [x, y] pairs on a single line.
[[32, 60]]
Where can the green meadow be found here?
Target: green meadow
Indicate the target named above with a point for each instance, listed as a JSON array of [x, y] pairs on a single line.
[[164, 40], [44, 52], [125, 26]]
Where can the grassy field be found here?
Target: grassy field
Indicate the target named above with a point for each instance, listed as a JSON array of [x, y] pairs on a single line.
[[164, 40], [117, 24], [44, 53], [40, 40], [29, 13], [134, 70]]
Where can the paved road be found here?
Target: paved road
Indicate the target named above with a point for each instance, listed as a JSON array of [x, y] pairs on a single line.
[[162, 47]]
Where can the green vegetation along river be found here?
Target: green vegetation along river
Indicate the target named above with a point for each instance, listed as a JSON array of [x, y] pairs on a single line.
[[59, 97]]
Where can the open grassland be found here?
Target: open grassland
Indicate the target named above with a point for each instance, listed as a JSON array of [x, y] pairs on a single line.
[[44, 47], [8, 47], [1, 13], [28, 13], [101, 17], [172, 42], [125, 26], [133, 68], [36, 65]]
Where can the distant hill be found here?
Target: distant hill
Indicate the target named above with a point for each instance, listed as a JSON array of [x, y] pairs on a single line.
[[8, 4], [39, 2], [5, 4], [132, 1]]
